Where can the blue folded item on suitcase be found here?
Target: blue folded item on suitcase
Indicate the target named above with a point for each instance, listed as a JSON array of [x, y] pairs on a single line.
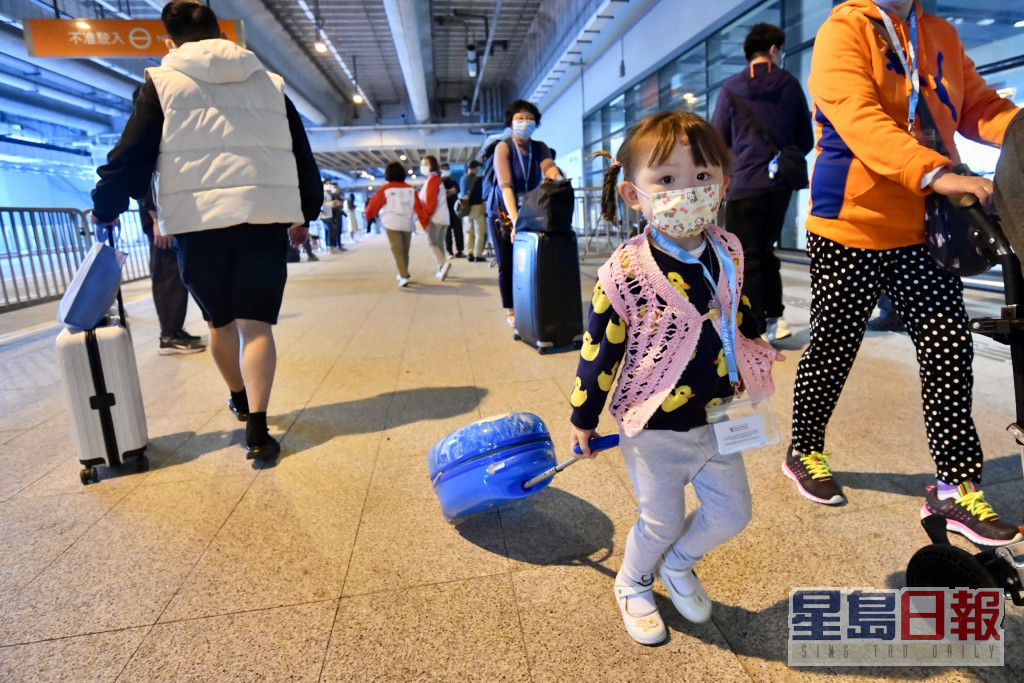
[[93, 289], [486, 463]]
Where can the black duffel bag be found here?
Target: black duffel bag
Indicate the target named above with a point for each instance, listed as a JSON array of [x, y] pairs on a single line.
[[547, 208]]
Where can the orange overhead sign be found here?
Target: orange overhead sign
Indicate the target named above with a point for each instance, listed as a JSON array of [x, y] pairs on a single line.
[[107, 37]]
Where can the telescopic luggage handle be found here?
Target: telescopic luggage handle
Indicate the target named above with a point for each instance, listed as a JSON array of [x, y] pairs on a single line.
[[599, 444]]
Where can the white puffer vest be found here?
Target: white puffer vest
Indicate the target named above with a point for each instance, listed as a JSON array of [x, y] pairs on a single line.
[[226, 153]]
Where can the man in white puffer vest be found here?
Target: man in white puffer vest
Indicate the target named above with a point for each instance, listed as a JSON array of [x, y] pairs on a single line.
[[236, 182]]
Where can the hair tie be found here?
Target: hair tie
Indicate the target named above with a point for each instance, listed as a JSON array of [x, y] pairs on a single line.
[[616, 162]]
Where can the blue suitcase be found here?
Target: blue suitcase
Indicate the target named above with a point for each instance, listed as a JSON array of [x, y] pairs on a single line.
[[485, 463], [494, 460]]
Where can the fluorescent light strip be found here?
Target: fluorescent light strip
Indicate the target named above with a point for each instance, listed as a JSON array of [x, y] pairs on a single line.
[[334, 52]]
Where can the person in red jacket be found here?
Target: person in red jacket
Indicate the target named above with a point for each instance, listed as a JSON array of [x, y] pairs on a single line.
[[875, 164], [399, 208], [435, 203]]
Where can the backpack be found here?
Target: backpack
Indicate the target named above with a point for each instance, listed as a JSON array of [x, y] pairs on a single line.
[[487, 177]]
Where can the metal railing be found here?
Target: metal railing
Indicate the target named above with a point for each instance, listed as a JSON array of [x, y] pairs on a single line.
[[41, 250], [593, 230]]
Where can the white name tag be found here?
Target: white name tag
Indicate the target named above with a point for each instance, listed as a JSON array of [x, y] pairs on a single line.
[[742, 424], [741, 434]]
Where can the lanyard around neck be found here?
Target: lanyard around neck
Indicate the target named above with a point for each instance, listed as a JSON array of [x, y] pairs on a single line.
[[529, 161], [728, 327], [908, 61]]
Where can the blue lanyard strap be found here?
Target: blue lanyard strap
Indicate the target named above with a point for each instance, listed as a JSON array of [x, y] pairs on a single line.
[[529, 161], [908, 61], [728, 327]]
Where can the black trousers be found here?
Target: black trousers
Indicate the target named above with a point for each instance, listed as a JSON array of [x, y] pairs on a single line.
[[170, 298], [502, 241], [757, 222], [454, 230]]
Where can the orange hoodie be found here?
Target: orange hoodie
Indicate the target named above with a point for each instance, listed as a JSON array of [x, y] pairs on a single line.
[[866, 185]]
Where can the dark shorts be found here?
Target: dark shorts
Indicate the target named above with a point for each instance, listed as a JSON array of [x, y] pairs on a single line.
[[235, 272]]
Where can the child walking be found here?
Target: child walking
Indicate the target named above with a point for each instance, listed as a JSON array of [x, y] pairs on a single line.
[[664, 317], [399, 208]]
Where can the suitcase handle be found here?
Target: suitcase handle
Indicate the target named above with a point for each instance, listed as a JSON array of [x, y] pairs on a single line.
[[599, 444]]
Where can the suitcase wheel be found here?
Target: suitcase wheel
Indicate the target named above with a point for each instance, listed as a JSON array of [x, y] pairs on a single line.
[[141, 463], [542, 350], [578, 344], [516, 337], [88, 474]]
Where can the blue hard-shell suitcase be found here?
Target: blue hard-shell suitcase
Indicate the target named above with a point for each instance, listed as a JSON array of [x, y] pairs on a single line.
[[485, 463]]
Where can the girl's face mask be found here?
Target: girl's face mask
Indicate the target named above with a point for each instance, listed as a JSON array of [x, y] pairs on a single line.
[[686, 212]]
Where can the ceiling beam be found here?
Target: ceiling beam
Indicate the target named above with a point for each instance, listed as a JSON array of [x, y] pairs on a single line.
[[405, 32]]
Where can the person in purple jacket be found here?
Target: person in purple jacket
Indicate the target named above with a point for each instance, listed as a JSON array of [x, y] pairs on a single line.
[[757, 200]]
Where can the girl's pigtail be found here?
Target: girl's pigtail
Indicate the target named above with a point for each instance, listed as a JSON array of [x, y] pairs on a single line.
[[609, 188]]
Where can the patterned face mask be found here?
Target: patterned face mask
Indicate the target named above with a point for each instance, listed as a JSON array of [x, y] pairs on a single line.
[[684, 213]]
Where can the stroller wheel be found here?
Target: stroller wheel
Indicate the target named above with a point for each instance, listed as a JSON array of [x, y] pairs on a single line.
[[946, 566]]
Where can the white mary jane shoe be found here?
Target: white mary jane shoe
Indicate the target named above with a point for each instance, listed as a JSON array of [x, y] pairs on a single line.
[[696, 606], [646, 630]]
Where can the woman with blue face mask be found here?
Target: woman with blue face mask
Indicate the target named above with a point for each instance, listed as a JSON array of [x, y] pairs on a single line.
[[520, 163]]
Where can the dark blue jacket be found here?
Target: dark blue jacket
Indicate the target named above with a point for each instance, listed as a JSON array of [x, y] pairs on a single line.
[[774, 96]]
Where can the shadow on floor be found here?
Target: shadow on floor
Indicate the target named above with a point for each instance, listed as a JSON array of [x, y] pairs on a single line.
[[550, 528], [1005, 468]]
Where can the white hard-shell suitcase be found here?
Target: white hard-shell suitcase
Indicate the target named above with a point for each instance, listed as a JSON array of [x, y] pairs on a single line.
[[101, 383]]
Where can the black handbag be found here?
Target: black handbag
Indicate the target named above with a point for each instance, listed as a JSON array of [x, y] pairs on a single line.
[[547, 208], [792, 164], [953, 234]]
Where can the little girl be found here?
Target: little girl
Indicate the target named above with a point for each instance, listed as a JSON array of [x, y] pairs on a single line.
[[666, 309]]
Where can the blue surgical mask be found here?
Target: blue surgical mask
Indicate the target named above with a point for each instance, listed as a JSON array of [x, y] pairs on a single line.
[[524, 129]]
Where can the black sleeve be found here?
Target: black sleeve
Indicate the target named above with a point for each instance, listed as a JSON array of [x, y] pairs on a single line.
[[803, 134], [130, 164], [311, 190], [599, 362]]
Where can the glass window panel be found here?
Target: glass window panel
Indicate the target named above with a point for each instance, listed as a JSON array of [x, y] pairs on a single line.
[[614, 115], [725, 47], [986, 27], [646, 98], [685, 74], [593, 171], [803, 19], [592, 127]]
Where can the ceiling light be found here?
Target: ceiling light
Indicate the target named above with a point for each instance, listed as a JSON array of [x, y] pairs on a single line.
[[958, 21], [370, 187], [358, 99], [404, 158], [465, 106], [320, 46], [986, 22], [410, 171], [1019, 24], [471, 60], [82, 24]]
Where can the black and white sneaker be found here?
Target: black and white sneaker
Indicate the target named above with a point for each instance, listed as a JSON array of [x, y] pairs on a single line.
[[180, 345]]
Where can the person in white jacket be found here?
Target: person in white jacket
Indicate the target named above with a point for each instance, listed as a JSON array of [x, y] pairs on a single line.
[[435, 202], [236, 182]]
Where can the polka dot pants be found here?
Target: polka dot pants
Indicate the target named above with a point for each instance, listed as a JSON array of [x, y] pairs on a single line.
[[845, 285]]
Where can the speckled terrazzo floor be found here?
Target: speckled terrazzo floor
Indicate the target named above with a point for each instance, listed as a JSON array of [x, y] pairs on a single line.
[[337, 563]]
